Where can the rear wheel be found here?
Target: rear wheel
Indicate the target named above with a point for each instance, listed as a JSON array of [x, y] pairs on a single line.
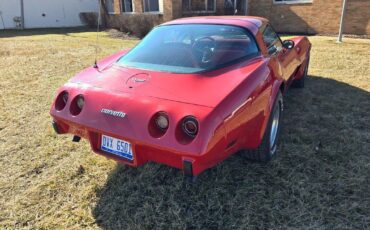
[[300, 82], [268, 146]]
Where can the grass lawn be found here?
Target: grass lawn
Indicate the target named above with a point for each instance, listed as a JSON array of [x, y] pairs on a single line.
[[320, 179]]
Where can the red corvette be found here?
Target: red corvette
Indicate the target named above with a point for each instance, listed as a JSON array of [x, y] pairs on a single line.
[[190, 94]]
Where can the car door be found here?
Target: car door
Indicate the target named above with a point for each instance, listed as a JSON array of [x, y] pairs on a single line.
[[284, 57]]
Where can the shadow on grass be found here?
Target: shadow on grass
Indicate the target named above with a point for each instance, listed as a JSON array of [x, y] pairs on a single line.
[[46, 31], [319, 180]]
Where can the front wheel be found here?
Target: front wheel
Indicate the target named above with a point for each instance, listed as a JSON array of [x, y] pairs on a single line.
[[268, 146]]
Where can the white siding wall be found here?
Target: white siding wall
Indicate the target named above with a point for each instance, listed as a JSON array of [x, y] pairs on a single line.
[[9, 9], [46, 13]]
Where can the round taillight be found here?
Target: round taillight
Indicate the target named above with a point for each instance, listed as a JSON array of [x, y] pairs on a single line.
[[190, 126], [80, 101], [77, 105], [158, 124], [162, 121], [65, 97], [61, 100]]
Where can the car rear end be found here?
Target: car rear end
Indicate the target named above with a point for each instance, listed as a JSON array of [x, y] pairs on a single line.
[[134, 129]]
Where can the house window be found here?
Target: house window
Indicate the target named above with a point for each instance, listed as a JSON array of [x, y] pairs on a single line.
[[199, 5], [126, 6], [235, 7], [110, 6], [211, 5], [292, 1], [152, 5]]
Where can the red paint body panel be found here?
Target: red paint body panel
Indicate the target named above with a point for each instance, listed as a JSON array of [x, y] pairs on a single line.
[[232, 104]]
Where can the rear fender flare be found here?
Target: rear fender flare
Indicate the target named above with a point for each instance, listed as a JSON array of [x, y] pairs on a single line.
[[277, 86], [301, 68]]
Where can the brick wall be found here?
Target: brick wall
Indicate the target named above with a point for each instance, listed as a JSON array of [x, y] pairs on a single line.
[[138, 6], [136, 24], [358, 17], [176, 9], [168, 10], [117, 6], [321, 16]]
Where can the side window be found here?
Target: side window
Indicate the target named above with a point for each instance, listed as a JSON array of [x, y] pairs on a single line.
[[272, 40]]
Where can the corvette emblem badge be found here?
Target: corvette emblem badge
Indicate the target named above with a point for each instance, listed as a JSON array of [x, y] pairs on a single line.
[[113, 113]]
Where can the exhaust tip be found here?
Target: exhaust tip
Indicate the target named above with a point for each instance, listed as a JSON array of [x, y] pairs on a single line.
[[187, 168], [76, 138]]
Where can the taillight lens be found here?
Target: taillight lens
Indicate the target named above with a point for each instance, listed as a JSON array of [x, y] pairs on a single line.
[[65, 97], [80, 102], [77, 105], [61, 100], [190, 126], [158, 124], [162, 121]]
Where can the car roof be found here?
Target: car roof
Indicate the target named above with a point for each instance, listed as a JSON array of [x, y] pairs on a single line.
[[249, 22]]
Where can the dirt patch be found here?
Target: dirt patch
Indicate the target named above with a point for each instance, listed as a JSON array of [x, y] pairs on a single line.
[[114, 33]]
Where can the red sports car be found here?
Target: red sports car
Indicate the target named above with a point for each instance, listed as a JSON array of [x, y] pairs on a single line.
[[190, 94]]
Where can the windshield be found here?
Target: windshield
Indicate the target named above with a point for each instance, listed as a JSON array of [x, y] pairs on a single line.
[[190, 48]]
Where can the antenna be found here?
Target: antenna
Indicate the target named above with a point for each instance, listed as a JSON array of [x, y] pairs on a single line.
[[97, 38]]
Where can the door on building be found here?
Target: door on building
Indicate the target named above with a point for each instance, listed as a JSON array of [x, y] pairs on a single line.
[[238, 7]]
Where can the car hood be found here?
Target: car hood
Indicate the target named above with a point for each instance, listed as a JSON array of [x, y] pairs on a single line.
[[205, 89]]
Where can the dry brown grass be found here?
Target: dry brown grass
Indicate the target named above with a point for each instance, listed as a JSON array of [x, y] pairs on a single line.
[[321, 178]]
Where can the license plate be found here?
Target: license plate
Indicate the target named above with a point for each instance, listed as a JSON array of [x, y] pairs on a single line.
[[117, 147]]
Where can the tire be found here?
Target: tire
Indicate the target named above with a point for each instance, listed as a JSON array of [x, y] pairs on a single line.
[[300, 82], [269, 143]]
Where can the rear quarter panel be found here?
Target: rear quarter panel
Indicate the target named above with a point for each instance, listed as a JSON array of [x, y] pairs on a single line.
[[303, 49], [244, 110]]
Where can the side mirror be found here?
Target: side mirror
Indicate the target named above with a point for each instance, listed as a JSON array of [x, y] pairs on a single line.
[[288, 44]]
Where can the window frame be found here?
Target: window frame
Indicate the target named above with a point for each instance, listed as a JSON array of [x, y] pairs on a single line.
[[122, 6], [205, 5], [268, 47], [287, 2]]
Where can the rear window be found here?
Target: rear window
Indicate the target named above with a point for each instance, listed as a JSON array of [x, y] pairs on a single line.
[[191, 48]]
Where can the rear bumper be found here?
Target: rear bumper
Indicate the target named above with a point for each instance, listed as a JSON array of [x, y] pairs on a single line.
[[192, 164]]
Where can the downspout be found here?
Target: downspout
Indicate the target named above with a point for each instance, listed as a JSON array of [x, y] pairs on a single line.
[[2, 19], [341, 26], [22, 15]]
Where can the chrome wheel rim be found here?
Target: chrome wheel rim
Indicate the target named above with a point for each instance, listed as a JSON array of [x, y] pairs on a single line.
[[274, 128]]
